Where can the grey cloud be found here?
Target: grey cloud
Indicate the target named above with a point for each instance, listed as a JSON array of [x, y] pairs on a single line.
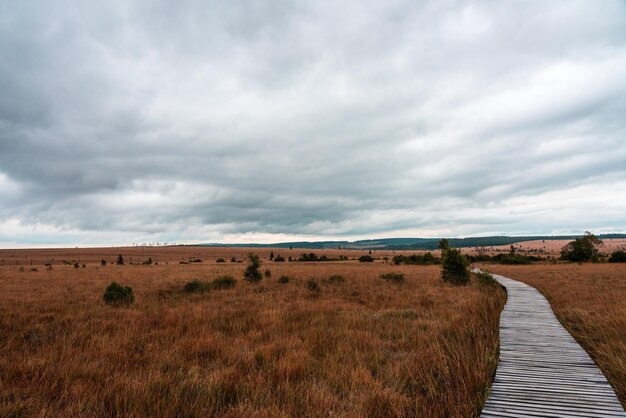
[[149, 119]]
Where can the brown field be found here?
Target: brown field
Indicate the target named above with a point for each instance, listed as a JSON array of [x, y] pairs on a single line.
[[590, 301], [553, 246], [362, 347], [169, 255]]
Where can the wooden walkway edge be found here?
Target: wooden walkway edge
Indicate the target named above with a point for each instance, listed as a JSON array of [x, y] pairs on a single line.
[[543, 371]]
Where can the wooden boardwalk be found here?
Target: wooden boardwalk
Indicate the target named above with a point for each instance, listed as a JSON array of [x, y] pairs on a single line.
[[543, 372]]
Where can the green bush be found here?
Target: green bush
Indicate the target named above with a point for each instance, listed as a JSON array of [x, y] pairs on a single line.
[[279, 259], [267, 273], [313, 286], [486, 279], [336, 278], [618, 256], [252, 273], [118, 295], [419, 259], [196, 286], [223, 282], [366, 259], [120, 260], [393, 277], [454, 267], [308, 257], [314, 257], [283, 280], [220, 260]]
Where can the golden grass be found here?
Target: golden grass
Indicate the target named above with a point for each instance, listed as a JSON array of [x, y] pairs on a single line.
[[361, 347], [590, 301]]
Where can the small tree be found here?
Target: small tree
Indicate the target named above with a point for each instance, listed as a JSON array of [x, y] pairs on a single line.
[[103, 262], [120, 260], [454, 267], [584, 248], [252, 272]]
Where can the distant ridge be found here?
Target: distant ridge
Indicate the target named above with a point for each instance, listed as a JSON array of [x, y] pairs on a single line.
[[409, 243]]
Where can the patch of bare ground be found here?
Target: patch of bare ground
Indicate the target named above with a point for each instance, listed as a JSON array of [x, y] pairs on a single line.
[[590, 301], [358, 347]]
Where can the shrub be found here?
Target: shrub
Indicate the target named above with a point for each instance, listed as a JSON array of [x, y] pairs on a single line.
[[272, 255], [283, 280], [419, 259], [220, 260], [313, 286], [314, 257], [279, 259], [268, 273], [486, 278], [252, 273], [515, 259], [195, 260], [618, 257], [118, 295], [454, 267], [223, 282], [366, 259], [233, 260], [336, 278], [76, 265], [196, 286], [103, 262], [120, 260], [148, 261], [393, 277], [584, 248], [309, 257]]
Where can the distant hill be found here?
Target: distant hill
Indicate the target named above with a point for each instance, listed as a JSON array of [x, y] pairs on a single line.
[[409, 243]]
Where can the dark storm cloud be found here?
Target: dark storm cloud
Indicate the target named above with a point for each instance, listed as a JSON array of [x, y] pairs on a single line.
[[204, 121]]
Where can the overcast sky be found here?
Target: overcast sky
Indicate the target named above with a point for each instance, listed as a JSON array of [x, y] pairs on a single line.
[[265, 121]]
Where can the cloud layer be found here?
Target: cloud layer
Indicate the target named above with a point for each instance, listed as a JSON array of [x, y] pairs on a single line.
[[266, 121]]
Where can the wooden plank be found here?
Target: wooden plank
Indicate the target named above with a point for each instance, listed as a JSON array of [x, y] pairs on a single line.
[[543, 371]]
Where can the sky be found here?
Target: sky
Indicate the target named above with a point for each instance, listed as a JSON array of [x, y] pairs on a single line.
[[267, 121]]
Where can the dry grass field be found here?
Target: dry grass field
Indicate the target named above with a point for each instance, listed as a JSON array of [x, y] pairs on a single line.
[[590, 301], [361, 347], [553, 246]]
